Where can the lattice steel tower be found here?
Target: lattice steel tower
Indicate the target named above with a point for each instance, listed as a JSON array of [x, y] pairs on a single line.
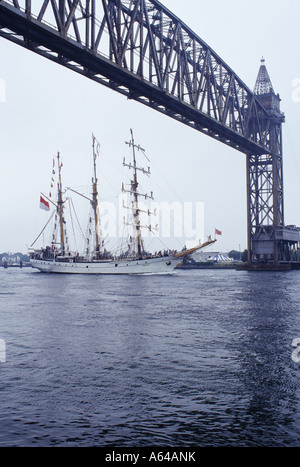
[[269, 240]]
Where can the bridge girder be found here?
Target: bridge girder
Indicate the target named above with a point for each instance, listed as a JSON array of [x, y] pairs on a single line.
[[142, 50]]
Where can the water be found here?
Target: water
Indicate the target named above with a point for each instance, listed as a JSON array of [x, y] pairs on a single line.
[[201, 358]]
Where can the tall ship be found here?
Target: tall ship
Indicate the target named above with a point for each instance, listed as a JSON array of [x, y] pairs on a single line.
[[57, 257]]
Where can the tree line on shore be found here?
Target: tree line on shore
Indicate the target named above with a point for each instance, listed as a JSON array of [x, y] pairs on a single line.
[[239, 255]]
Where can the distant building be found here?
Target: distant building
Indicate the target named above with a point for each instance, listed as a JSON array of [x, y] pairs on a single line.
[[215, 256]]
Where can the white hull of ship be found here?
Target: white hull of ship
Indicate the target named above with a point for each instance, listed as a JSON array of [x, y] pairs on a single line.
[[145, 266]]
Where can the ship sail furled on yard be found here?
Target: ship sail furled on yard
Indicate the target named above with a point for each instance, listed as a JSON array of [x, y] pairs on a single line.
[[58, 258]]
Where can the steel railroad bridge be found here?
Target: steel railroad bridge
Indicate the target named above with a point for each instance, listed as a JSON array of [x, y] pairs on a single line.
[[140, 49]]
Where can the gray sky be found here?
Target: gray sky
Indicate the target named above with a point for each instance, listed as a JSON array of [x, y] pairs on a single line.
[[49, 108]]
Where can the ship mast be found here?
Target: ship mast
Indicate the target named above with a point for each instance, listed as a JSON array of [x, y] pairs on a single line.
[[95, 198], [134, 187], [60, 206], [134, 191]]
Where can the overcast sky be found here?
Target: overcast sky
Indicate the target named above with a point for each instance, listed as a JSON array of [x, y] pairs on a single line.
[[49, 108]]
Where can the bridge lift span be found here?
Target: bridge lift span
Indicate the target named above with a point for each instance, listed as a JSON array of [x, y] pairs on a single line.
[[141, 49]]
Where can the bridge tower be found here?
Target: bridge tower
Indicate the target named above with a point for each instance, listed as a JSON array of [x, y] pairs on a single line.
[[269, 240]]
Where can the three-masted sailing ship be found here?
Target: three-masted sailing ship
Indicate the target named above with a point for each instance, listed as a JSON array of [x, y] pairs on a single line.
[[57, 257]]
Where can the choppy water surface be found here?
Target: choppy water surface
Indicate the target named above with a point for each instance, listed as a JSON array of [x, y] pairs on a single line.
[[200, 358]]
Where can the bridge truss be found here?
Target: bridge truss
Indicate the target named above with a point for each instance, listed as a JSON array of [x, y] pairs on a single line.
[[142, 50]]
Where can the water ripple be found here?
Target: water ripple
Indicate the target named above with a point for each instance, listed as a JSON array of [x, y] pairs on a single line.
[[200, 358]]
